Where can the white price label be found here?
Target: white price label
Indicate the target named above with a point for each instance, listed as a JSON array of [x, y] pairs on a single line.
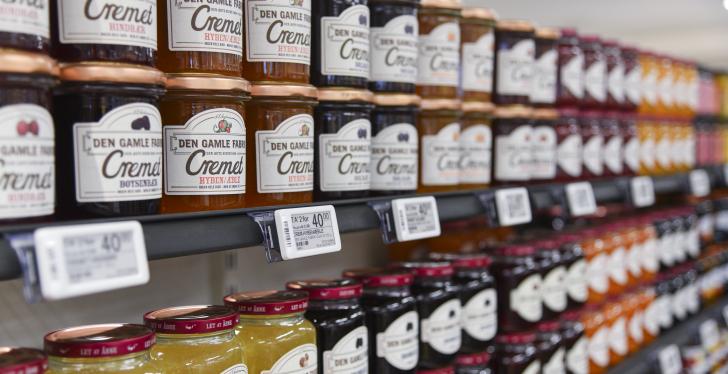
[[643, 191], [709, 334], [580, 197], [670, 360], [513, 206], [307, 231], [85, 259], [416, 218], [699, 183]]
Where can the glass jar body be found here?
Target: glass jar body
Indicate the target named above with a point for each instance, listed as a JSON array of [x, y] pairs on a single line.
[[476, 144], [513, 73], [200, 354], [393, 48], [395, 145], [512, 159], [519, 292], [341, 334], [439, 150], [137, 363], [477, 49], [439, 56], [439, 309]]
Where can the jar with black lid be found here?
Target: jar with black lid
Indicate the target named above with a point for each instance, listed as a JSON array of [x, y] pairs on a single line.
[[569, 146], [393, 46], [572, 257], [615, 75], [476, 144], [25, 25], [550, 345], [514, 60], [26, 80], [554, 275], [440, 311], [593, 139], [341, 334], [632, 78], [478, 41], [595, 72], [340, 44], [570, 85], [631, 155], [439, 128], [475, 363], [545, 67], [439, 49], [109, 139], [518, 279], [104, 31], [576, 359], [516, 353], [512, 133], [544, 143], [342, 141], [22, 361], [613, 144], [391, 318]]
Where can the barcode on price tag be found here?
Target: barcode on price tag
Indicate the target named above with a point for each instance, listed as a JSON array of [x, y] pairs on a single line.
[[416, 218], [699, 183], [513, 206], [84, 259], [580, 197], [670, 360], [307, 231], [643, 191], [709, 334]]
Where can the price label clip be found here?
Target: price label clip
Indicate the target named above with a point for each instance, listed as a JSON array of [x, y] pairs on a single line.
[[580, 198], [642, 192], [408, 219], [699, 183], [513, 206], [709, 334]]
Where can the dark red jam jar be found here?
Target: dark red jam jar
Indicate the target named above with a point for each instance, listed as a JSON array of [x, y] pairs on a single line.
[[514, 57], [632, 78], [518, 278], [613, 144], [545, 67], [615, 75], [570, 86], [393, 46], [595, 72], [516, 353], [391, 318], [109, 139], [631, 153], [576, 357], [569, 146], [550, 346], [22, 361], [438, 305], [341, 334], [544, 142], [554, 274], [475, 363], [512, 133], [593, 140], [573, 259], [25, 25]]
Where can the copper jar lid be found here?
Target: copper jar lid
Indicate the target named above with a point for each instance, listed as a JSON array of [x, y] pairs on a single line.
[[547, 33], [12, 61], [513, 111], [111, 72], [477, 107], [206, 82], [445, 4], [396, 100], [545, 113], [440, 104], [344, 94], [478, 13], [283, 90], [514, 25]]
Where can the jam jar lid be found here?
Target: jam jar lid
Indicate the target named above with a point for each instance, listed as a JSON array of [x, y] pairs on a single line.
[[547, 33], [21, 62], [548, 326], [107, 340], [380, 277], [568, 32], [462, 260], [440, 104], [516, 338], [111, 72], [268, 302], [478, 13], [512, 111], [472, 359], [446, 4], [514, 25], [388, 99], [283, 90], [344, 94], [571, 315], [516, 250], [206, 82], [477, 107], [545, 114], [328, 289], [428, 269], [22, 360], [193, 319], [589, 38], [444, 370]]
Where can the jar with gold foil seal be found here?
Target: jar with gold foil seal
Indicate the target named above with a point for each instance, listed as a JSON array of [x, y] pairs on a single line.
[[545, 67], [439, 49], [514, 60], [477, 49], [476, 143], [204, 143], [439, 128], [512, 134], [22, 361], [280, 165]]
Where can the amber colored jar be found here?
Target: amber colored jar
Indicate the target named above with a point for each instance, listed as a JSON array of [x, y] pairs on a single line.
[[595, 72], [545, 67], [22, 360], [343, 144], [569, 146], [512, 134], [648, 242], [665, 86], [439, 128], [118, 172], [596, 330], [631, 141], [570, 80], [593, 138], [104, 31], [477, 50], [615, 75], [277, 46], [648, 64], [204, 143], [476, 143], [650, 318], [25, 25], [516, 353], [439, 49], [518, 279], [633, 246], [663, 146], [616, 319], [615, 244], [393, 46], [632, 78], [632, 310], [514, 59], [646, 132], [613, 144], [544, 144], [280, 115], [597, 258]]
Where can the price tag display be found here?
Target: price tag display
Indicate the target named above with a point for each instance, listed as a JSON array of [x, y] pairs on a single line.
[[307, 231], [580, 197], [709, 334], [416, 218], [85, 259], [513, 206], [670, 360], [699, 183], [643, 191]]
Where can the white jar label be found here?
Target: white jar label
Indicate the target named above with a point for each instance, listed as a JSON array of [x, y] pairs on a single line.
[[618, 337], [664, 308], [480, 317], [678, 305], [663, 150], [525, 299], [118, 22], [647, 153], [679, 246], [651, 318], [284, 158], [398, 343], [597, 273], [349, 355], [632, 154], [543, 152], [211, 26], [576, 281], [345, 43], [514, 155], [439, 57], [692, 242], [441, 157], [515, 69], [634, 260], [278, 31], [544, 78], [533, 368], [577, 359], [569, 155], [555, 364], [599, 347], [394, 158], [206, 155], [593, 155], [475, 152], [633, 85], [650, 260], [344, 157], [634, 327], [25, 17], [554, 289], [477, 69], [595, 80], [299, 360], [441, 330], [27, 156], [119, 158], [615, 82], [394, 50], [572, 76], [236, 369], [613, 155], [617, 265], [664, 249], [692, 298]]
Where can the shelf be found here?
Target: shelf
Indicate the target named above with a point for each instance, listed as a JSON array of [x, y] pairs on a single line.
[[176, 235]]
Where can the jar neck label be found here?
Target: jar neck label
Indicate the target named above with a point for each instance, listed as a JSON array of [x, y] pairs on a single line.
[[26, 17], [441, 329], [344, 157], [398, 343], [475, 153], [480, 317], [278, 31], [394, 158], [439, 57], [203, 27], [477, 60], [344, 43], [300, 360], [515, 69], [284, 159], [544, 78], [349, 354], [394, 50], [440, 156]]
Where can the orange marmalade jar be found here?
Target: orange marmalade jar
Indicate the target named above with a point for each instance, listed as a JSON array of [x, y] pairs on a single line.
[[597, 258], [633, 311], [650, 314], [613, 237], [648, 243], [478, 41], [439, 49], [439, 128], [596, 330], [616, 319], [647, 134], [650, 72], [633, 258]]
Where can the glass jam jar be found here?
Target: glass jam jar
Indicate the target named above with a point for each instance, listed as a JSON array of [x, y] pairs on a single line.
[[439, 49], [631, 149], [277, 44], [514, 60], [204, 143], [544, 144], [109, 148], [477, 49], [476, 143], [518, 278], [616, 319], [340, 55], [576, 357], [516, 353], [615, 75], [343, 144], [554, 277], [632, 307], [550, 345], [25, 121], [649, 243], [393, 46], [114, 348], [595, 72], [196, 339], [569, 146], [274, 333], [439, 128], [616, 248], [648, 84], [200, 38], [632, 78], [597, 332], [593, 139], [597, 258], [104, 31], [545, 67], [22, 361], [341, 334], [570, 80], [281, 147], [440, 311], [512, 134], [25, 25], [613, 144], [475, 363], [572, 257]]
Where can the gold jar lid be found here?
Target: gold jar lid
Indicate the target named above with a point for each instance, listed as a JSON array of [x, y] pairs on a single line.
[[547, 33], [478, 13], [206, 82], [344, 94], [477, 107], [440, 104], [545, 113], [512, 111], [388, 99], [283, 90], [514, 25], [21, 62], [111, 72], [445, 4]]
